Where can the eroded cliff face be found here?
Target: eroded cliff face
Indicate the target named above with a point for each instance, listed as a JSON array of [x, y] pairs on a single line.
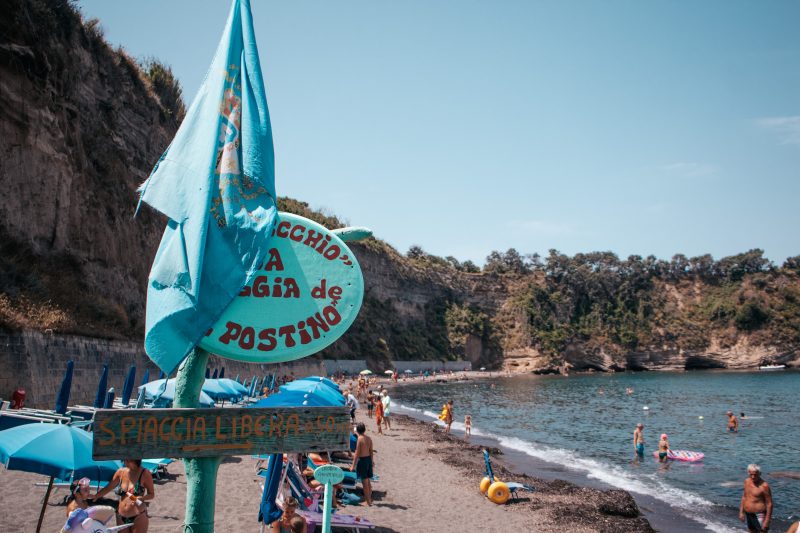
[[79, 131]]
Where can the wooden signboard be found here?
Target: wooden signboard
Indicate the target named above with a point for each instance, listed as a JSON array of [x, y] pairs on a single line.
[[147, 433]]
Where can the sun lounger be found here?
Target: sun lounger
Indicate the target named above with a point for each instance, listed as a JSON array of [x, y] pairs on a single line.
[[157, 467], [350, 478], [339, 521]]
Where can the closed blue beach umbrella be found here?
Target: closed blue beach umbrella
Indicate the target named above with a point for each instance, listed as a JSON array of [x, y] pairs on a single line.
[[62, 400], [141, 398], [215, 375], [237, 378], [30, 448], [100, 396], [208, 372], [268, 510], [222, 373], [161, 374], [146, 376], [127, 388], [109, 401]]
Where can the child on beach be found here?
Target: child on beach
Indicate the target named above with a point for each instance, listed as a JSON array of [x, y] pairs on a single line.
[[379, 413], [467, 426], [663, 448]]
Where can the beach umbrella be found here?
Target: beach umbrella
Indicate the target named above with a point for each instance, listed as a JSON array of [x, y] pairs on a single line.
[[330, 383], [483, 368], [162, 393], [215, 375], [222, 373], [127, 388], [237, 378], [63, 393], [365, 372], [268, 510], [234, 385], [140, 400], [146, 376], [100, 396], [30, 448], [409, 371], [108, 403], [161, 374], [253, 386], [316, 388], [388, 372], [208, 372], [295, 399], [219, 391]]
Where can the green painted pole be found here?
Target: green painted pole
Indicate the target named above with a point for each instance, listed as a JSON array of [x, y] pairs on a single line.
[[201, 472], [327, 508]]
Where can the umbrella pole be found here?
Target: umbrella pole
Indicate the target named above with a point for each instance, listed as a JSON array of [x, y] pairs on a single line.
[[201, 472], [44, 505]]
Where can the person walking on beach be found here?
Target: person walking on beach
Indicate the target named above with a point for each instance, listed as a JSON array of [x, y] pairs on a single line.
[[448, 416], [387, 406], [663, 448], [379, 413], [370, 403], [362, 461], [467, 427], [352, 404], [755, 508], [638, 440], [733, 423], [132, 494]]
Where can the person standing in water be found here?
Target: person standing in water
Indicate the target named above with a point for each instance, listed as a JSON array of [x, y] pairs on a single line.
[[756, 506], [733, 423], [467, 427], [663, 448], [638, 440]]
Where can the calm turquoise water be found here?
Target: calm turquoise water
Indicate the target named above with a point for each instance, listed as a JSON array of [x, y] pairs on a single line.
[[568, 421]]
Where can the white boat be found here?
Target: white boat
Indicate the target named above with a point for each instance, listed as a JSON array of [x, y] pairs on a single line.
[[768, 368]]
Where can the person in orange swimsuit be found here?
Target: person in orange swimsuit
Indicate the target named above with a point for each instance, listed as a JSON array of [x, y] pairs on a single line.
[[379, 413]]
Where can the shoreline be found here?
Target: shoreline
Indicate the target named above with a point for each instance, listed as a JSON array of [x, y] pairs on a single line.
[[661, 515]]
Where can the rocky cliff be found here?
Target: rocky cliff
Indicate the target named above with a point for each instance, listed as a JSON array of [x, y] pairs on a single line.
[[81, 125]]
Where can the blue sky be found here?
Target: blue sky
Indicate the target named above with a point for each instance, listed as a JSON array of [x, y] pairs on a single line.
[[465, 127]]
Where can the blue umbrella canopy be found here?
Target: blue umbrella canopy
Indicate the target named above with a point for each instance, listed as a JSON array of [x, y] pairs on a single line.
[[208, 372], [161, 374], [146, 376], [164, 391], [127, 388], [100, 396], [62, 400], [234, 385], [237, 378], [319, 379], [222, 373], [317, 388], [295, 399], [32, 448], [140, 400], [219, 390], [215, 375]]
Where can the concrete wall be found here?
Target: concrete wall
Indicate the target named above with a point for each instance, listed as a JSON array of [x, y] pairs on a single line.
[[36, 362], [355, 366]]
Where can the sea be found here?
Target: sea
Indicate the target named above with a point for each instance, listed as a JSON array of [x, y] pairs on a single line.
[[580, 428]]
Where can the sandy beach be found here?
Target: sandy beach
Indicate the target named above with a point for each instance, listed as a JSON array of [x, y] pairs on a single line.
[[428, 482]]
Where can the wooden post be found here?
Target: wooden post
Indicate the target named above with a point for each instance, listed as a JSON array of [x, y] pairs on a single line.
[[44, 505], [201, 472]]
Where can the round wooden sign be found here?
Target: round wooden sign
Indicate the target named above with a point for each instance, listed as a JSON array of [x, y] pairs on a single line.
[[329, 474], [304, 297]]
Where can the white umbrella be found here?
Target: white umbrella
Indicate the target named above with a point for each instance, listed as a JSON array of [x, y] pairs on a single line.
[[388, 372], [408, 372], [483, 368], [365, 372]]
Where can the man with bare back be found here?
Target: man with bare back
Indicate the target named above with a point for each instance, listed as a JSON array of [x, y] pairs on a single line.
[[756, 506]]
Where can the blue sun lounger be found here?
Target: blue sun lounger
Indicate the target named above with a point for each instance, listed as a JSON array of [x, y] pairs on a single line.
[[512, 486]]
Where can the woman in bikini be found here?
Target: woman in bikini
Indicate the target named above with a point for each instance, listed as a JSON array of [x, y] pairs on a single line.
[[134, 486]]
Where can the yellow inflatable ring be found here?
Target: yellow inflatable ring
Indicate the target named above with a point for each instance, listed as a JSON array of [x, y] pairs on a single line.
[[485, 482], [498, 492]]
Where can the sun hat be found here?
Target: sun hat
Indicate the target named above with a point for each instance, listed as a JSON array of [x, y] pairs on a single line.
[[664, 436]]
